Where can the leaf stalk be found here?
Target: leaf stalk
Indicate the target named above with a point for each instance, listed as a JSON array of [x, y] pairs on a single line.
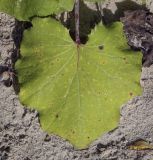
[[77, 22]]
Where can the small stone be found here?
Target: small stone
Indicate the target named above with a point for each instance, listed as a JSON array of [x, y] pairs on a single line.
[[47, 138], [6, 35]]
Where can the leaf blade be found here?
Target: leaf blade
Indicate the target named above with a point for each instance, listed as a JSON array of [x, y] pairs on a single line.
[[25, 9], [77, 103]]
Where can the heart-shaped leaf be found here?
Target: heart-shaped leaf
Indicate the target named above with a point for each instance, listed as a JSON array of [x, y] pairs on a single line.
[[77, 91]]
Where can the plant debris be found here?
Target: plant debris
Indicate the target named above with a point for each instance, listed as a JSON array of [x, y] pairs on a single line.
[[138, 27]]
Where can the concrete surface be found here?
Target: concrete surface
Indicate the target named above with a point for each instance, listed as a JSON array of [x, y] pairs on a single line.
[[21, 137]]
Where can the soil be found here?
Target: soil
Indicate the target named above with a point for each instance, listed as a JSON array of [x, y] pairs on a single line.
[[21, 136]]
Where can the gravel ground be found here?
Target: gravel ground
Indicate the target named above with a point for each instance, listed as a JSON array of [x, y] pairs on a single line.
[[21, 137]]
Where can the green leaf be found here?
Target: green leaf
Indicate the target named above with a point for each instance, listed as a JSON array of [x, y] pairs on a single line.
[[95, 0], [77, 103], [24, 9]]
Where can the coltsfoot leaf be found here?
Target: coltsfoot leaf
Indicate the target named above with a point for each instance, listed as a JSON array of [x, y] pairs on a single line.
[[24, 9], [78, 97]]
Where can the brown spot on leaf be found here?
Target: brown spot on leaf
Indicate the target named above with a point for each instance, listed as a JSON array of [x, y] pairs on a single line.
[[99, 93], [57, 59], [101, 47]]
